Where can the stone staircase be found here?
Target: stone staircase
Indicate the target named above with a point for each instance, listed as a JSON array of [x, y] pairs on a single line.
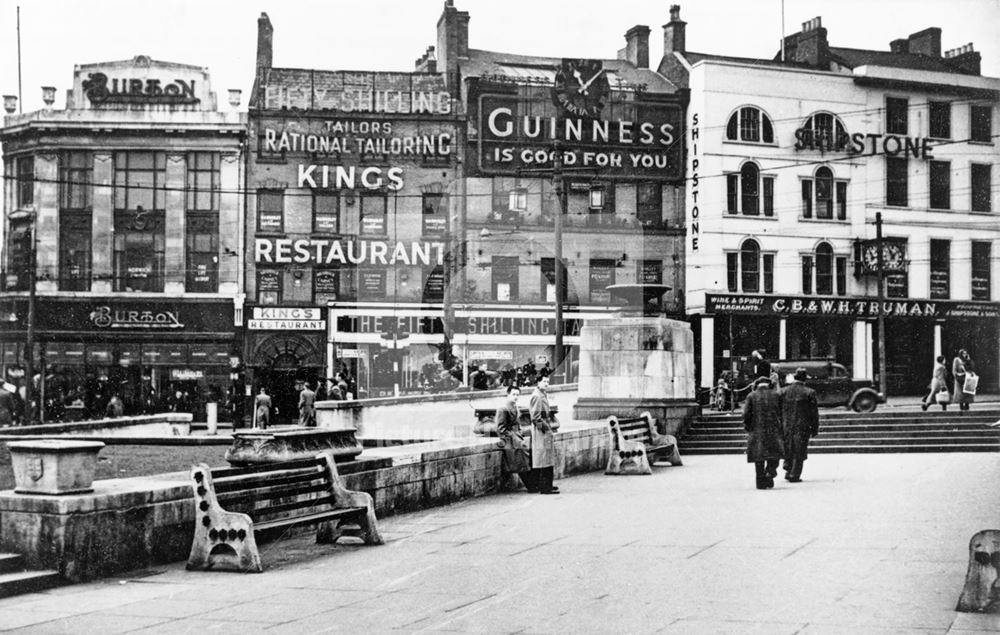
[[884, 430], [15, 579]]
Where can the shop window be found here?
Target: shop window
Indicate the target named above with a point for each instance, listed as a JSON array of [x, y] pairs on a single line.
[[939, 120], [649, 203], [743, 191], [982, 187], [981, 277], [940, 269], [140, 181], [374, 207], [825, 131], [602, 275], [269, 286], [435, 214], [548, 279], [896, 181], [896, 115], [751, 124], [940, 177], [749, 270], [270, 211], [824, 197], [371, 284], [981, 124], [504, 278], [75, 173], [202, 249], [25, 190], [326, 213], [433, 283], [139, 250], [203, 181], [75, 230]]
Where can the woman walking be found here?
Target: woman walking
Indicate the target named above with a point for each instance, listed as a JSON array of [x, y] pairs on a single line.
[[939, 384], [961, 368]]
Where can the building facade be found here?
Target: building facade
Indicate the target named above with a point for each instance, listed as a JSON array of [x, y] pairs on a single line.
[[788, 177], [123, 223]]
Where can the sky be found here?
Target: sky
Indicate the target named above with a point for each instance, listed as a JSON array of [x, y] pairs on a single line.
[[391, 34]]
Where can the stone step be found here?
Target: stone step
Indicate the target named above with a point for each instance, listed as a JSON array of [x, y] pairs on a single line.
[[10, 562], [993, 414], [865, 431], [21, 582], [855, 449]]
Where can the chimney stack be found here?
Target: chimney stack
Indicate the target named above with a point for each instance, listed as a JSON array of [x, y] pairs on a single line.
[[265, 52], [810, 46], [637, 46], [926, 42], [965, 59], [674, 39], [452, 44], [426, 63]]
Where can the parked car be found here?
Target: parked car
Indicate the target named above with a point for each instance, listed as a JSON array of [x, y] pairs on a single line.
[[832, 382]]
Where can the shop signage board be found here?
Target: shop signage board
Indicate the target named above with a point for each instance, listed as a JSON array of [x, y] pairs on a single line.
[[736, 304], [111, 316], [504, 355], [328, 251], [273, 318]]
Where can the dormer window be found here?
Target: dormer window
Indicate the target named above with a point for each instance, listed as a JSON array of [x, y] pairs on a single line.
[[749, 123]]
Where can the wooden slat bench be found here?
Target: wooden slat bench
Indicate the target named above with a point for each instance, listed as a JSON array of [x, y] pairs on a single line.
[[486, 420], [231, 504], [634, 441]]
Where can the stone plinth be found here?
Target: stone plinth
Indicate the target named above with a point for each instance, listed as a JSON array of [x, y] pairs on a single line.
[[52, 466], [288, 444], [631, 364]]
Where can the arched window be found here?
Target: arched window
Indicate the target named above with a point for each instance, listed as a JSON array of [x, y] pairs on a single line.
[[749, 123], [823, 196], [749, 192], [750, 266], [824, 132], [749, 270], [824, 271]]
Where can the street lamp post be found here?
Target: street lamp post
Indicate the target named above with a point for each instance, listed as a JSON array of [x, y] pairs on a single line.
[[29, 360]]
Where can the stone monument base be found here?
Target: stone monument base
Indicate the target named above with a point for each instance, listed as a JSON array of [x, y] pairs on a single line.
[[673, 416], [287, 444]]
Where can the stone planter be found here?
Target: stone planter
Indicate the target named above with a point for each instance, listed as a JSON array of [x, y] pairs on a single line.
[[287, 444], [51, 466]]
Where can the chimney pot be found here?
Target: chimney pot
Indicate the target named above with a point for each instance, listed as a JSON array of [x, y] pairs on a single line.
[[674, 37]]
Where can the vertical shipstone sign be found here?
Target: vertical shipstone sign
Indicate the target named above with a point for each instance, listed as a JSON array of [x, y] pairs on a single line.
[[637, 361]]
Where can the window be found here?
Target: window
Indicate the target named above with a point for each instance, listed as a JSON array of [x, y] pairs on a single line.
[[602, 275], [749, 123], [505, 278], [981, 280], [326, 213], [139, 243], [75, 172], [269, 286], [75, 230], [940, 120], [825, 132], [940, 269], [749, 270], [896, 115], [981, 129], [649, 203], [841, 273], [140, 178], [896, 181], [203, 181], [373, 214], [824, 269], [202, 249], [750, 266], [822, 196], [548, 280], [743, 191], [982, 187], [25, 191], [510, 200], [270, 211], [940, 172], [433, 283], [435, 218], [600, 204]]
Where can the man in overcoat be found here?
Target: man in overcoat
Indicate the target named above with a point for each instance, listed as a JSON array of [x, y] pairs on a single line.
[[307, 407], [262, 409], [543, 450], [516, 457], [800, 417], [762, 420]]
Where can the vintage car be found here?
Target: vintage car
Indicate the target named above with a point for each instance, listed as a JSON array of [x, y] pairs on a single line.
[[832, 382]]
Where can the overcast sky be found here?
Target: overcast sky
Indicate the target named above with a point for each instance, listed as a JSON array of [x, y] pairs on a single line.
[[391, 34]]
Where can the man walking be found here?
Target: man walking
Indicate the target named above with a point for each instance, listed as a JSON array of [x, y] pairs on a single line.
[[307, 407], [516, 458], [800, 416], [262, 409], [543, 449], [762, 420]]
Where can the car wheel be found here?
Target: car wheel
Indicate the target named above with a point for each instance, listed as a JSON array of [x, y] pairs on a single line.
[[865, 403]]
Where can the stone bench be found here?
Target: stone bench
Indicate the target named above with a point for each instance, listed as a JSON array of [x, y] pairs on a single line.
[[232, 504], [634, 441], [486, 420]]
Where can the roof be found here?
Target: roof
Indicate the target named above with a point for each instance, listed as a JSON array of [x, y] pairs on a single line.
[[694, 58], [853, 58], [483, 63]]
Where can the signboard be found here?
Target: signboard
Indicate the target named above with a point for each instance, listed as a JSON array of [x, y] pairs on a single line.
[[602, 275], [111, 316], [940, 284], [505, 355], [651, 272], [287, 319], [186, 374], [372, 283], [326, 283], [358, 138], [329, 251], [268, 280], [101, 89], [357, 92], [853, 307], [350, 353]]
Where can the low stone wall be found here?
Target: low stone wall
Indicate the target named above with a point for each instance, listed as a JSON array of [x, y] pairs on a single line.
[[131, 523], [162, 424]]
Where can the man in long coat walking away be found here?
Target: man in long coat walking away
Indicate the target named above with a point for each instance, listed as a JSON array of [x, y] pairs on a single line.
[[800, 417], [762, 420], [516, 458], [543, 449], [307, 407]]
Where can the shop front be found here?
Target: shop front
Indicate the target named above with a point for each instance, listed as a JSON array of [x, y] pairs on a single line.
[[156, 355]]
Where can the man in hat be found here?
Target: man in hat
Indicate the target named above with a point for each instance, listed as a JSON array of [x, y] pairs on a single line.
[[762, 421], [800, 417], [307, 406]]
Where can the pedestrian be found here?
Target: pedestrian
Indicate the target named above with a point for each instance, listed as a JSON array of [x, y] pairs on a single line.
[[262, 409], [342, 384], [762, 420], [307, 407], [962, 369], [8, 407], [938, 385], [543, 449], [115, 407], [516, 457], [800, 418]]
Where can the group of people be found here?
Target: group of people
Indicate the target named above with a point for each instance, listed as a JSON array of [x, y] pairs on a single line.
[[964, 382], [336, 388], [779, 426], [533, 462]]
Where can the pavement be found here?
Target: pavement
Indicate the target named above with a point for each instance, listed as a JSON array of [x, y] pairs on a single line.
[[865, 544]]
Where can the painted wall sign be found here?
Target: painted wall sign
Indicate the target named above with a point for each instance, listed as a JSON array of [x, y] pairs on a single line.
[[337, 139], [104, 317], [694, 224], [357, 100], [860, 143], [331, 251], [856, 308], [349, 177], [100, 89]]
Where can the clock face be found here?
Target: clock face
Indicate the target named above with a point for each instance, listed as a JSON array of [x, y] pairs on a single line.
[[581, 87]]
